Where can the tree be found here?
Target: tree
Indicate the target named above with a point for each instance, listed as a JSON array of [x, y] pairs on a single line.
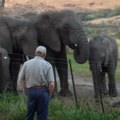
[[2, 3]]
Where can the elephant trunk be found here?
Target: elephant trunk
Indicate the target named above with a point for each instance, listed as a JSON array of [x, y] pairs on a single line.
[[81, 49]]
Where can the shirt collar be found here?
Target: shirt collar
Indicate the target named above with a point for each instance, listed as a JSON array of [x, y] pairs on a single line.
[[38, 57]]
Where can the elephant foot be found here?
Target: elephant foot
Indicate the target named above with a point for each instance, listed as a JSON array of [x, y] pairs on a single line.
[[65, 93], [105, 92], [96, 96], [113, 93]]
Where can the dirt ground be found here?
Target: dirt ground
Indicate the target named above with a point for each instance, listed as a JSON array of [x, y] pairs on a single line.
[[84, 90], [83, 86], [17, 7]]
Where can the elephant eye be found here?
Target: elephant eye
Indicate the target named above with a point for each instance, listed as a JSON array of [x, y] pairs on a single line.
[[22, 37], [66, 27], [75, 45]]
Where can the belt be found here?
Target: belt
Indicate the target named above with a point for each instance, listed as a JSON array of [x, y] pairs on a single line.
[[38, 87]]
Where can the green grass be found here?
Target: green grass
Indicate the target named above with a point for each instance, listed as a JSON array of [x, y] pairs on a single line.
[[82, 69], [12, 107], [58, 110], [104, 13]]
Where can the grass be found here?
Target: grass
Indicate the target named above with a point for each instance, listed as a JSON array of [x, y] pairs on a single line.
[[104, 13], [82, 69], [58, 110]]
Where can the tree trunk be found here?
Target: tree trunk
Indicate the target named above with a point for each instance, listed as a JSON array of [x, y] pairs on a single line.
[[2, 3]]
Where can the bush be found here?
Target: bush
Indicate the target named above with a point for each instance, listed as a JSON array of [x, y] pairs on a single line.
[[117, 35], [85, 16]]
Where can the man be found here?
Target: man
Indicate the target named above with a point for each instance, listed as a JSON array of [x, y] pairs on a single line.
[[37, 79]]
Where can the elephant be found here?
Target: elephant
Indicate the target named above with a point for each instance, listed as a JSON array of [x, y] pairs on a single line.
[[18, 37], [4, 70], [103, 60], [56, 30]]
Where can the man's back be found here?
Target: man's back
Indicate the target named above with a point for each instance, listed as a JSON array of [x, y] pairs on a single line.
[[37, 72]]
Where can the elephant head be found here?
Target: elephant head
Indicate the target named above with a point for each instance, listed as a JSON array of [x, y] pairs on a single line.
[[102, 49], [21, 34], [97, 54], [62, 28]]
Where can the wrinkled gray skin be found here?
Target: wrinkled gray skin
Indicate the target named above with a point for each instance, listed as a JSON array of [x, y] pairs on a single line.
[[19, 38], [55, 31], [4, 70], [103, 59]]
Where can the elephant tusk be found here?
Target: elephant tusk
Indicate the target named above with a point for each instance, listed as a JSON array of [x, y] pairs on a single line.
[[75, 45], [5, 57]]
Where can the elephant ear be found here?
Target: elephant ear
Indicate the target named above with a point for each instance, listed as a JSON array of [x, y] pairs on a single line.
[[19, 31], [47, 32], [108, 49], [17, 26]]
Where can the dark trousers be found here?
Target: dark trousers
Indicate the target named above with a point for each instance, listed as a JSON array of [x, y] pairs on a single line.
[[38, 100]]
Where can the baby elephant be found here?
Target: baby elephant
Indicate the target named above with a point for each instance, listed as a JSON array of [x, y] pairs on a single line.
[[103, 59]]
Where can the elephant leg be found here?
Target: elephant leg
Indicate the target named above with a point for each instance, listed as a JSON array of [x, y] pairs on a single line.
[[6, 72], [112, 84], [16, 60], [60, 62], [95, 83], [1, 74], [52, 61], [62, 68], [14, 70], [103, 83]]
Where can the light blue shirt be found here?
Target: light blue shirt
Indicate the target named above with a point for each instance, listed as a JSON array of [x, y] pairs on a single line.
[[36, 72]]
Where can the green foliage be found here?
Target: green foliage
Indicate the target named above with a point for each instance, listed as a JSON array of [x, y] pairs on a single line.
[[117, 35], [5, 100], [13, 106], [114, 12], [118, 71], [104, 13], [82, 69], [91, 32], [57, 110], [17, 110], [61, 112]]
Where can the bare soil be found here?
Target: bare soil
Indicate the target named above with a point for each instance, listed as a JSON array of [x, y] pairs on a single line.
[[16, 7], [83, 85], [85, 92]]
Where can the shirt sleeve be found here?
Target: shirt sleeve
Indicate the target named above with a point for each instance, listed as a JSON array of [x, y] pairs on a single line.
[[50, 75], [21, 75]]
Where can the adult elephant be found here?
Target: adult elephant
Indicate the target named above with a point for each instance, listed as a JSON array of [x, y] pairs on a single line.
[[55, 31], [103, 59], [4, 70], [19, 38]]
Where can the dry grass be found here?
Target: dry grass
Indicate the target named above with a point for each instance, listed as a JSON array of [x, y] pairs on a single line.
[[110, 20], [15, 7], [118, 42]]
